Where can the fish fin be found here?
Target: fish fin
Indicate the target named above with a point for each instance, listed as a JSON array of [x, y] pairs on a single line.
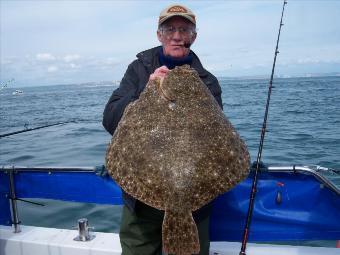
[[179, 233]]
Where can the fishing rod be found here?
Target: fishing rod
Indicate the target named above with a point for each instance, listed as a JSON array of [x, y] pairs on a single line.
[[31, 129], [258, 160], [5, 85]]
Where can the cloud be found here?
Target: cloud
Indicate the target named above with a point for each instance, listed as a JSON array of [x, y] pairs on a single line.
[[45, 57], [71, 58], [235, 37], [74, 66], [52, 69], [7, 62]]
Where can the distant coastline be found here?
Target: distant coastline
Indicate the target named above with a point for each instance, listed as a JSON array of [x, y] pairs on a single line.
[[283, 76], [246, 77], [83, 84]]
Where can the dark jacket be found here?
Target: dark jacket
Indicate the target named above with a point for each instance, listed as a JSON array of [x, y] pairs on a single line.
[[133, 83]]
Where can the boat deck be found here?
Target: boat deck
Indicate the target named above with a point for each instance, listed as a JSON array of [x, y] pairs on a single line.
[[50, 241]]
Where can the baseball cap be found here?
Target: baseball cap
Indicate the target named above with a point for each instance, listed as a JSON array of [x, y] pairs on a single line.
[[176, 10]]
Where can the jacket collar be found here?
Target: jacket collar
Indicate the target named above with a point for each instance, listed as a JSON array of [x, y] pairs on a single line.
[[150, 59]]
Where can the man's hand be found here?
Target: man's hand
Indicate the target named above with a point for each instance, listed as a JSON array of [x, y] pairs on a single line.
[[160, 73]]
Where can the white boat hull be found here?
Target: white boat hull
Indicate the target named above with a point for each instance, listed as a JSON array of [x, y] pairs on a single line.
[[52, 241]]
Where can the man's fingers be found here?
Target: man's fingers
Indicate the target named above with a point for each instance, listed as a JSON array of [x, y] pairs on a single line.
[[163, 69], [160, 72]]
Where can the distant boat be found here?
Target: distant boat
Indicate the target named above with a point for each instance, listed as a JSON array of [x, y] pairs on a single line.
[[17, 92]]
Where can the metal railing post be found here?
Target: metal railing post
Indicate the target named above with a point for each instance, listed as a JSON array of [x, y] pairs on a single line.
[[13, 199]]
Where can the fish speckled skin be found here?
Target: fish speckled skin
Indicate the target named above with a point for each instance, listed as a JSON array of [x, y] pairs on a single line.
[[175, 150]]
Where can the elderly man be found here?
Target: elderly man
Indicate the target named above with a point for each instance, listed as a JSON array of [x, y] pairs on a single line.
[[141, 227]]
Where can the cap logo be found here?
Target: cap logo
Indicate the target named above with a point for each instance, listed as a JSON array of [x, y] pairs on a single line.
[[177, 9]]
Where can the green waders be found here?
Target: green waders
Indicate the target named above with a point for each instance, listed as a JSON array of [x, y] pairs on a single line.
[[141, 231]]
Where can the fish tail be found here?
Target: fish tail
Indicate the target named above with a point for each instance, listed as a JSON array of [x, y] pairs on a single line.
[[179, 233]]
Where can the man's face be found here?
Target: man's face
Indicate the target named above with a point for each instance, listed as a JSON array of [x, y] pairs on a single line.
[[176, 32]]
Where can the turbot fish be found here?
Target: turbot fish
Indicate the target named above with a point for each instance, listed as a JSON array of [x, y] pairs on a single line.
[[175, 150]]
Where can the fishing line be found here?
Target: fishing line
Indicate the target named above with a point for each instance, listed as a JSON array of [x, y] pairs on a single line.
[[258, 160]]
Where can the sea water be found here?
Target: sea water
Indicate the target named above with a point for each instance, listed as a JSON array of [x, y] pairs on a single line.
[[303, 129]]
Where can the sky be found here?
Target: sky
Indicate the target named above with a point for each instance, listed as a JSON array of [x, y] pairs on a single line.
[[65, 42]]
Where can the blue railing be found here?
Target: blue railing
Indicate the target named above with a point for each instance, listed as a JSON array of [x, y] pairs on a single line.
[[291, 204]]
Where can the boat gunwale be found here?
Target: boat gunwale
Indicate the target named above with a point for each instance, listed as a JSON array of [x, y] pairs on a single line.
[[313, 170]]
